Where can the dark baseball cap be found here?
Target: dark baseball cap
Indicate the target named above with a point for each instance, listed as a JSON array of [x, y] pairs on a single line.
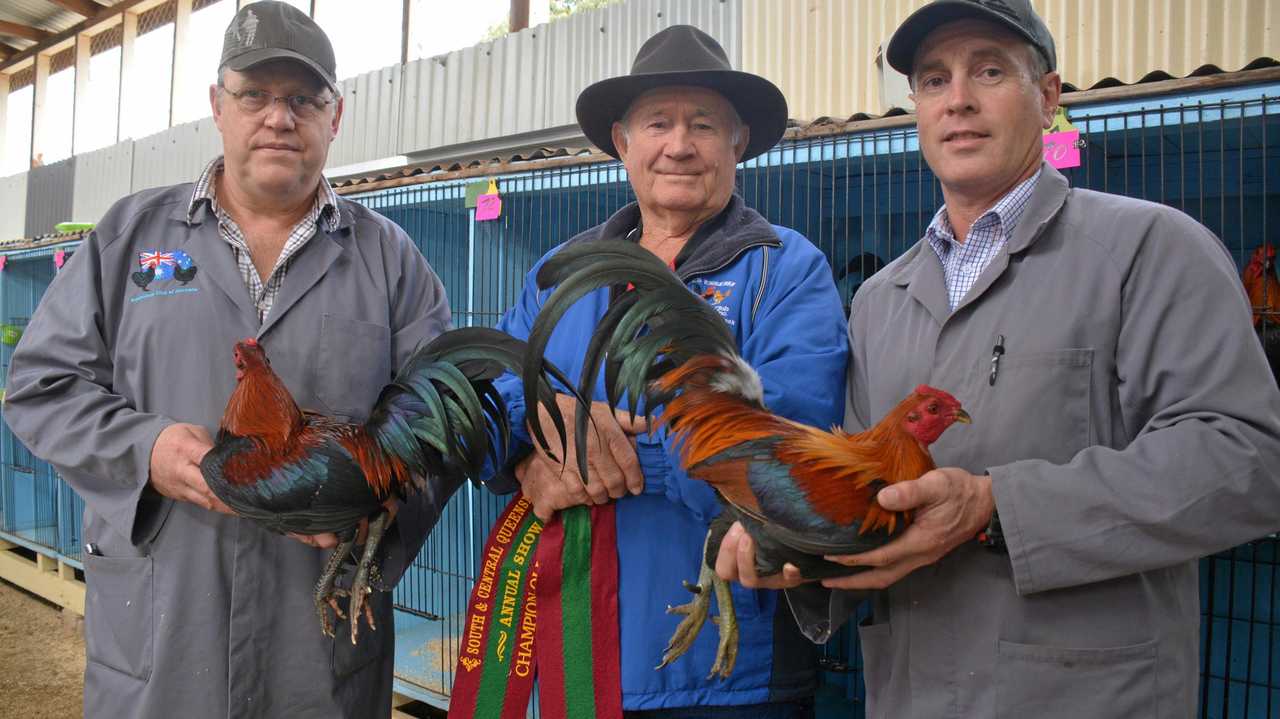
[[269, 30], [1017, 15]]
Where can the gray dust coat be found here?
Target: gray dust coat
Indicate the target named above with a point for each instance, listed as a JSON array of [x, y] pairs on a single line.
[[1133, 427], [191, 613]]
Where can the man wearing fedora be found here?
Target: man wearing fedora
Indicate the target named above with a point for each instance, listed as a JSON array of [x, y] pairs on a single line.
[[680, 122], [1124, 420], [126, 367]]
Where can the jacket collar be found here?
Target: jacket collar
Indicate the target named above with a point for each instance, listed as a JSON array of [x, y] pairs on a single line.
[[333, 216], [1045, 203], [716, 243]]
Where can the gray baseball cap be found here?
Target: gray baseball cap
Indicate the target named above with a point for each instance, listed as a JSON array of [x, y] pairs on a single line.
[[1017, 15], [270, 30]]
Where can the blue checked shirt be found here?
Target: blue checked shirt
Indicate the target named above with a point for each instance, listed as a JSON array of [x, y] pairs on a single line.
[[963, 262], [264, 292]]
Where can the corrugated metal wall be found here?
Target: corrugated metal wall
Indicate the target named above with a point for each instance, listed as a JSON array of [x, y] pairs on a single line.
[[49, 191], [102, 177], [822, 53], [175, 155], [529, 81], [13, 207], [370, 128]]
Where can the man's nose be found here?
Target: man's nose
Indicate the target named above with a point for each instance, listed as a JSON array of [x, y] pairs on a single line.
[[960, 95], [279, 115], [679, 142]]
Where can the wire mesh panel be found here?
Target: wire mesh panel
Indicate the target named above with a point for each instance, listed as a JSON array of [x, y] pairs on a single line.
[[28, 485], [864, 199]]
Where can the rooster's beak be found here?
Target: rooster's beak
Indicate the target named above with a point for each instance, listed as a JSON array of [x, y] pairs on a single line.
[[963, 417]]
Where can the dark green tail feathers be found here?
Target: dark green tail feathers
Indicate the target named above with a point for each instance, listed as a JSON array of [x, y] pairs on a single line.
[[654, 325], [442, 413]]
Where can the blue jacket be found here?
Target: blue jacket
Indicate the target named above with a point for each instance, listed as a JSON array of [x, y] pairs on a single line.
[[776, 290]]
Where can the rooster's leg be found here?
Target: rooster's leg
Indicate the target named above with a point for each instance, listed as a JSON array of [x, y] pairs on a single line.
[[360, 585], [727, 649], [325, 591], [696, 613]]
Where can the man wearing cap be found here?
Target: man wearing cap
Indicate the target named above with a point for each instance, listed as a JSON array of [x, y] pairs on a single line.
[[1124, 423], [126, 368], [680, 122]]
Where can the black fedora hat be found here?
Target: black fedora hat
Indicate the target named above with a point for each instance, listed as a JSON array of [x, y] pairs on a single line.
[[684, 55]]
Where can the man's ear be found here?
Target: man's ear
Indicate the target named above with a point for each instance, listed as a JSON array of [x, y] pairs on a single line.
[[1050, 92], [215, 106], [337, 118], [744, 139], [619, 140]]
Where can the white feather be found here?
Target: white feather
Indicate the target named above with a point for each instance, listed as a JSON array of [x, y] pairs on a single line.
[[740, 379]]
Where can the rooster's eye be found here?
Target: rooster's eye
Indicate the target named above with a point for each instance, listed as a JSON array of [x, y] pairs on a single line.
[[913, 417], [933, 408]]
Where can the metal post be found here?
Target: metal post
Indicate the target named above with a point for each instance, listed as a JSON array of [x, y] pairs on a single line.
[[37, 110], [80, 101], [128, 72], [4, 112], [519, 18], [180, 86]]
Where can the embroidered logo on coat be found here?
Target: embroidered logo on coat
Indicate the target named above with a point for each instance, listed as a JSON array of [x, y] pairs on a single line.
[[716, 293], [163, 266]]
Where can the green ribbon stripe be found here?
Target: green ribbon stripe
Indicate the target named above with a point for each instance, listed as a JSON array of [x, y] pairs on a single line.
[[575, 613]]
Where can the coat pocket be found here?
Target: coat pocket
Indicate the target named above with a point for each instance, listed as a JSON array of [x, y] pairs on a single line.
[[877, 655], [1039, 407], [352, 366], [118, 623], [1048, 682]]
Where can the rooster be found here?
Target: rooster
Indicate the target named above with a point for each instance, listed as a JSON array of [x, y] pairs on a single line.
[[801, 492], [1264, 295], [296, 471]]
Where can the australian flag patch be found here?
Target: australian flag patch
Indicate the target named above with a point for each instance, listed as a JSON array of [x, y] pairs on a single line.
[[163, 266]]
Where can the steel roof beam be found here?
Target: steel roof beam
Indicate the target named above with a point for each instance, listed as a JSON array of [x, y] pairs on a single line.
[[84, 8], [26, 32]]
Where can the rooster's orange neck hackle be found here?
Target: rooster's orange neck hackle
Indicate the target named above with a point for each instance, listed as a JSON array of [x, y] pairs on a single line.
[[261, 406]]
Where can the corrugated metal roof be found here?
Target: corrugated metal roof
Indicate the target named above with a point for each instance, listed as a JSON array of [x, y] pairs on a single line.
[[528, 81], [40, 14], [822, 53]]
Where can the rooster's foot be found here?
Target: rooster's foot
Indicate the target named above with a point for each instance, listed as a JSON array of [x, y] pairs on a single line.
[[326, 593], [360, 586], [375, 579], [695, 615], [727, 622]]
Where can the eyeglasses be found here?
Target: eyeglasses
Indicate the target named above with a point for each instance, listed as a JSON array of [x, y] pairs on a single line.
[[303, 107]]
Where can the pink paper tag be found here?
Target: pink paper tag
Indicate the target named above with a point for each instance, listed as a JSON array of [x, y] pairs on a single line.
[[2, 261], [488, 207], [59, 257], [1062, 149]]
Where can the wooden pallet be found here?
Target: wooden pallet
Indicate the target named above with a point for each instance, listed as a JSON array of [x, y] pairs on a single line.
[[46, 576]]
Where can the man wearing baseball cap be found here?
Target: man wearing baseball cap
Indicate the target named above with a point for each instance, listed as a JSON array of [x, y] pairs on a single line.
[[1124, 420], [127, 367]]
